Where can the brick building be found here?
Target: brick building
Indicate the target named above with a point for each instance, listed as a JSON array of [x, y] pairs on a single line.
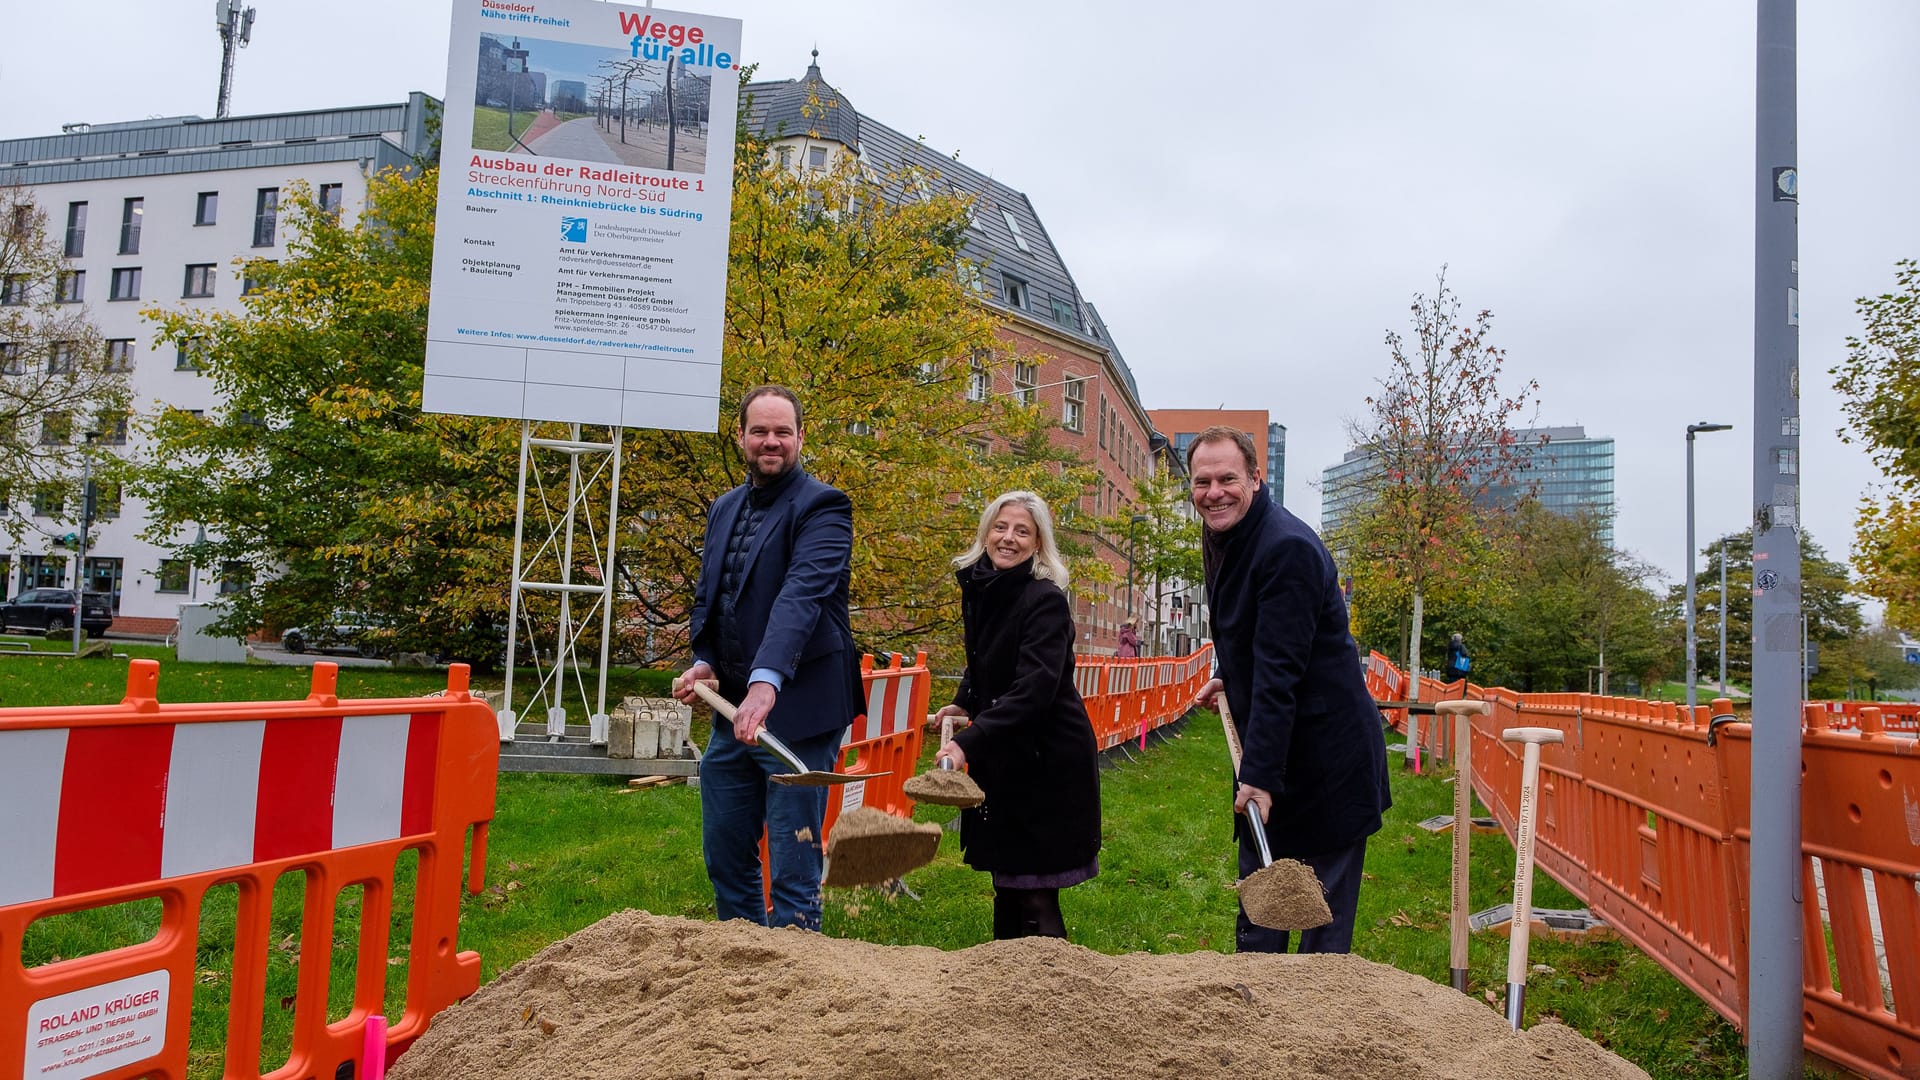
[[1063, 357]]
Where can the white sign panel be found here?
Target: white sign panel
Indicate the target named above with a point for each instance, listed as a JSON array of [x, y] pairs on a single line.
[[586, 177], [88, 1032]]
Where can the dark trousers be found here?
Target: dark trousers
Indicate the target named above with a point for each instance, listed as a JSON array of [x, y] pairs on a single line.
[[1339, 874], [736, 802], [1027, 913]]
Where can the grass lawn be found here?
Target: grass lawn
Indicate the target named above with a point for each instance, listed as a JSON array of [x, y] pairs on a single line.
[[566, 851]]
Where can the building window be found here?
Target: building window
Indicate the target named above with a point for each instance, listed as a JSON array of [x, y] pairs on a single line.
[[60, 358], [132, 212], [254, 276], [1025, 378], [928, 372], [206, 208], [49, 500], [70, 287], [106, 500], [968, 272], [785, 154], [17, 228], [1063, 313], [199, 282], [1073, 408], [125, 284], [120, 354], [1013, 226], [1013, 290], [76, 230], [174, 574], [330, 196], [42, 571], [55, 427], [188, 354], [116, 429], [1103, 421], [266, 216], [13, 360], [816, 157], [234, 577], [13, 290], [979, 379]]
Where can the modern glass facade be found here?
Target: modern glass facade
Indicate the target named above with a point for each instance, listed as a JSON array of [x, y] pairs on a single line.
[[1563, 468]]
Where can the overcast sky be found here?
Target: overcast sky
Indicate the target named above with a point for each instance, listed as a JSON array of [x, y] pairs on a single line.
[[1252, 193]]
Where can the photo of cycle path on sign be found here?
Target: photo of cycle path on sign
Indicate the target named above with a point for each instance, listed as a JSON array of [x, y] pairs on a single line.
[[592, 103]]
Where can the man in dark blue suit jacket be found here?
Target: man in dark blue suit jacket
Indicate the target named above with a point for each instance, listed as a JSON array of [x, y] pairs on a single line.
[[770, 623], [1315, 760]]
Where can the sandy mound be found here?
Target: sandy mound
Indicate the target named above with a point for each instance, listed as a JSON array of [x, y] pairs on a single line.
[[639, 995]]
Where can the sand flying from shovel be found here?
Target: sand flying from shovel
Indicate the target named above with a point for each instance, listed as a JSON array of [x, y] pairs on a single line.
[[868, 847], [944, 787]]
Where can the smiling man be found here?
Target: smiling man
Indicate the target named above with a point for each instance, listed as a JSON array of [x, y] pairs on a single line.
[[770, 622], [1314, 758]]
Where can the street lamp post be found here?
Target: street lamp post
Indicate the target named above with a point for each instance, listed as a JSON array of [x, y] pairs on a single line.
[[1131, 522], [1723, 615], [1693, 673], [86, 524]]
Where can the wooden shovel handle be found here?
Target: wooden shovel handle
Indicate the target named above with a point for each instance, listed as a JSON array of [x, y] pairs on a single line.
[[1233, 735]]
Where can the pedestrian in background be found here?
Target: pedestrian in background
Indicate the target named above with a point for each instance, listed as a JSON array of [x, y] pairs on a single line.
[[1458, 663]]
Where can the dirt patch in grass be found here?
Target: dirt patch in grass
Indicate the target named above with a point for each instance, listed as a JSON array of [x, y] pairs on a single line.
[[639, 995]]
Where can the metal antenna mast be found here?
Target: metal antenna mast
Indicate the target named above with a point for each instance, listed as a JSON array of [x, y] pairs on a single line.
[[236, 29]]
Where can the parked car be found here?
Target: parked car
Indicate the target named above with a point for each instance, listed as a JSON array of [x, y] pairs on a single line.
[[54, 610], [346, 631]]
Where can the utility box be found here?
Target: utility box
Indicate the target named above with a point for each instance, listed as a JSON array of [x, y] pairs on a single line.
[[196, 643]]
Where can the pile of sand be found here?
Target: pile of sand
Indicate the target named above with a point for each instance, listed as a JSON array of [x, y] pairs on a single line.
[[944, 787], [639, 995]]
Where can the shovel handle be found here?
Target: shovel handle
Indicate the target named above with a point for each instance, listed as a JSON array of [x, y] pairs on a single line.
[[764, 737], [1254, 825]]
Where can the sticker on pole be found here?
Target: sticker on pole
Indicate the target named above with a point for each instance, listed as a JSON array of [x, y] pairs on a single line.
[[98, 1029]]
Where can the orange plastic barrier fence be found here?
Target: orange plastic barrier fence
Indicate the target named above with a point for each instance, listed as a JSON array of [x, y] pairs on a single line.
[[1128, 697], [886, 742], [1645, 813], [140, 801]]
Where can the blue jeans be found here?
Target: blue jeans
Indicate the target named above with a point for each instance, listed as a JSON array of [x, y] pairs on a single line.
[[1339, 874], [736, 801]]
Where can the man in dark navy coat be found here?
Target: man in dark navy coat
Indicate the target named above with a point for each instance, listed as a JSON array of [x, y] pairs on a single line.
[[770, 622], [1315, 760]]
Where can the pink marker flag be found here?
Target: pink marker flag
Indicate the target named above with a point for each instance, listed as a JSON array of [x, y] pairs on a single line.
[[374, 1056]]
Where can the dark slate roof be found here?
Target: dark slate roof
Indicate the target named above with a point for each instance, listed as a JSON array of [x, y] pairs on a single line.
[[184, 144], [806, 106], [778, 109]]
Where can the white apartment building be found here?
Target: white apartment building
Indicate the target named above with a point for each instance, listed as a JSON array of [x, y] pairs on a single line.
[[155, 214]]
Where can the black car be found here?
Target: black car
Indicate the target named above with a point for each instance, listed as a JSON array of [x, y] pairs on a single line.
[[345, 631], [53, 610]]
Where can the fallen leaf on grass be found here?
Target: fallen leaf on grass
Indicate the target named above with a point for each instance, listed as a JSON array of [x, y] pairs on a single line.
[[514, 886], [206, 976], [396, 961], [1400, 918]]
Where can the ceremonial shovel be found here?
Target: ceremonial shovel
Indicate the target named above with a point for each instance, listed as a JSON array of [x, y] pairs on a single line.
[[800, 775]]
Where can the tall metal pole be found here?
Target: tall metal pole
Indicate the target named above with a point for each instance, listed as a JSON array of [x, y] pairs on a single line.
[[1693, 675], [1723, 613], [86, 523], [1774, 1028], [1693, 670]]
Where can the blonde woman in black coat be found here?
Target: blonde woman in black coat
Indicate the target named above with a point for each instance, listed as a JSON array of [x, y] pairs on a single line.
[[1030, 746]]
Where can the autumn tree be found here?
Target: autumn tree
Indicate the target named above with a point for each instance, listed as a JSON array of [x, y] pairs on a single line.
[[853, 295], [1880, 383], [1833, 614], [322, 473], [1163, 536], [58, 378], [1440, 438]]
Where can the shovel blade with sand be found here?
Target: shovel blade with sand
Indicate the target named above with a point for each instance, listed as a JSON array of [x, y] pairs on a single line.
[[1284, 895], [867, 846], [945, 785]]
